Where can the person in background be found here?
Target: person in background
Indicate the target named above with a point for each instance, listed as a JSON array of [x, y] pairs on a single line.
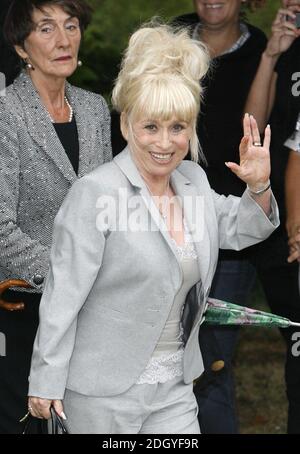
[[235, 47], [119, 353], [51, 133], [274, 99], [292, 195]]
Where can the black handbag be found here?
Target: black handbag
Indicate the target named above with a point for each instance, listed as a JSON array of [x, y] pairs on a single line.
[[42, 426]]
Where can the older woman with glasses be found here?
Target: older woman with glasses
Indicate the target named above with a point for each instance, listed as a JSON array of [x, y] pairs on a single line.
[[51, 133]]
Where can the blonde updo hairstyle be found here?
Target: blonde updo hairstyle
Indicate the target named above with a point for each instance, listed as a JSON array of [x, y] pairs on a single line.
[[160, 78]]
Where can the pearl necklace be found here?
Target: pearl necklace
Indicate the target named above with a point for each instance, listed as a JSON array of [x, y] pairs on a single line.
[[71, 112]]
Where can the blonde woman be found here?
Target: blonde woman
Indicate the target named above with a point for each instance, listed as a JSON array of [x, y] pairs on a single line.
[[135, 249]]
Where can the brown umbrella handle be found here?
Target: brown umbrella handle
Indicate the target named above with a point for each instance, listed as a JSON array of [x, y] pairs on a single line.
[[5, 285]]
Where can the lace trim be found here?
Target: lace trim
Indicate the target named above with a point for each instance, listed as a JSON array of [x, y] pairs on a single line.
[[187, 250], [163, 368]]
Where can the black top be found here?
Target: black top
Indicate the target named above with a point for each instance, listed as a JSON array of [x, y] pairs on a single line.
[[68, 135], [283, 118]]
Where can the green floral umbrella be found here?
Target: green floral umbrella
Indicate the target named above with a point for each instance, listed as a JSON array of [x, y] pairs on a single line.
[[219, 312]]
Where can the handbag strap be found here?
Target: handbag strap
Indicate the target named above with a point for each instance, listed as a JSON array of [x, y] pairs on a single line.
[[58, 426]]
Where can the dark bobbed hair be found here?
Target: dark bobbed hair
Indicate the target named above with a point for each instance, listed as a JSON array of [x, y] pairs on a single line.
[[18, 23]]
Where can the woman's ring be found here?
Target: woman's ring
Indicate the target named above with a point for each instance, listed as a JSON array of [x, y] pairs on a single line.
[[257, 144]]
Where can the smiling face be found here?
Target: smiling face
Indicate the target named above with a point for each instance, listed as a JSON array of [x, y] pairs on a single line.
[[216, 13], [157, 146], [52, 47]]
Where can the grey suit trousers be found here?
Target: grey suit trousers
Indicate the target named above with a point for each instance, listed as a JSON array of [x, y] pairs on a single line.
[[161, 408]]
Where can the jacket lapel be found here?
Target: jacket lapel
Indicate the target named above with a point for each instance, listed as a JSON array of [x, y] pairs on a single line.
[[40, 127], [154, 212], [194, 210]]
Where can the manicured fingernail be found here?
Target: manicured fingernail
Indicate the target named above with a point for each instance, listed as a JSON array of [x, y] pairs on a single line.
[[63, 416]]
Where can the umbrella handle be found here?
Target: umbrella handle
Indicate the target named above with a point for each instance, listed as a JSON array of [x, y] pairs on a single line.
[[5, 285], [294, 324]]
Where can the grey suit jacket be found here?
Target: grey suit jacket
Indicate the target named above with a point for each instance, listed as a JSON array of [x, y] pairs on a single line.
[[36, 174], [110, 289]]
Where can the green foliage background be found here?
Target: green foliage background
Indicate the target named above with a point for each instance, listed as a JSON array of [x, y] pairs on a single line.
[[113, 22]]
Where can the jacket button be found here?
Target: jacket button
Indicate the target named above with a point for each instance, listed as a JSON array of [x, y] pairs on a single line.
[[38, 279]]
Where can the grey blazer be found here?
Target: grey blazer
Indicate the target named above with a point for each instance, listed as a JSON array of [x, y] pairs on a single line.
[[118, 285], [36, 174]]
